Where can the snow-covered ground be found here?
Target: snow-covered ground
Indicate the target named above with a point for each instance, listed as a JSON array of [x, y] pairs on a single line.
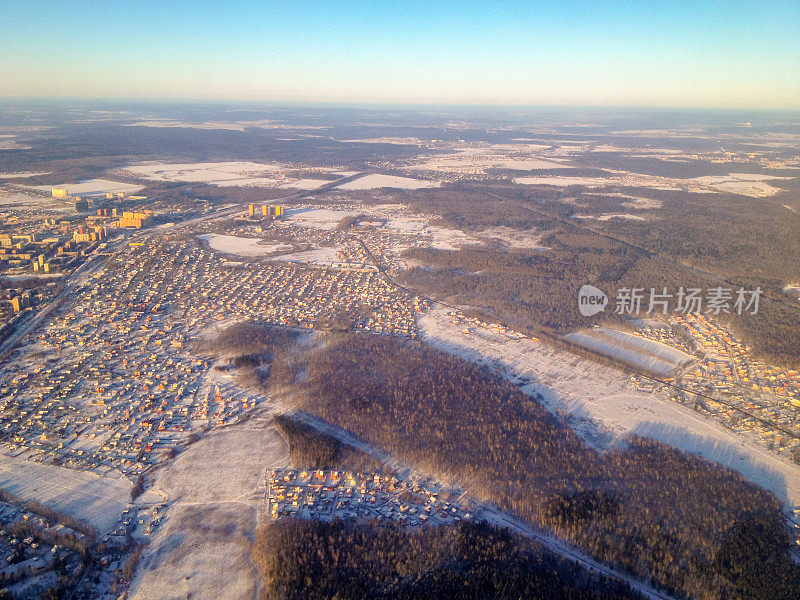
[[242, 246], [450, 239], [97, 500], [321, 254], [215, 491], [403, 141], [94, 187], [631, 349], [478, 160], [602, 407], [609, 216], [513, 238], [631, 180], [22, 174], [318, 218], [237, 173], [18, 200], [746, 184], [376, 180]]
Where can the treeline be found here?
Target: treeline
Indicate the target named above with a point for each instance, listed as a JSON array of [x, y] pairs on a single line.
[[655, 511], [248, 337], [312, 449], [48, 513], [255, 351], [308, 448], [470, 561]]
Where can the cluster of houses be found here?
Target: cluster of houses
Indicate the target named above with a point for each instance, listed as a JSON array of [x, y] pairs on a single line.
[[36, 554], [111, 379], [330, 494], [203, 284], [768, 397], [469, 325]]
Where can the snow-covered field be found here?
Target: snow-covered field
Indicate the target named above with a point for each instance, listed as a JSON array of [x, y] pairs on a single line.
[[239, 174], [231, 244], [19, 200], [478, 160], [450, 239], [609, 216], [376, 180], [7, 142], [603, 408], [737, 183], [629, 180], [318, 218], [94, 187], [746, 184], [407, 224], [97, 500], [404, 141], [631, 349], [513, 238], [321, 254], [215, 490], [22, 174]]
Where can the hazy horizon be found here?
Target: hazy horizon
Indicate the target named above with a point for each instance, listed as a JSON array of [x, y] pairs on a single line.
[[739, 55]]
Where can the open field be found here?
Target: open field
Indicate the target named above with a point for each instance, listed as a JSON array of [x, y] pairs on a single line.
[[215, 490], [602, 407], [321, 254], [478, 160], [22, 174], [609, 216], [19, 201], [81, 495], [632, 180], [235, 173], [94, 187], [376, 180], [746, 184], [318, 218], [231, 244], [639, 352]]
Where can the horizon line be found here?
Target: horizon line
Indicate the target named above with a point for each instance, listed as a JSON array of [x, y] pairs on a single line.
[[389, 103]]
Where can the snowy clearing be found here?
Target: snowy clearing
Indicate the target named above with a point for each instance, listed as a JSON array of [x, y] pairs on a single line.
[[631, 349], [318, 218], [513, 238], [97, 500], [18, 200], [93, 187], [242, 246], [479, 160], [746, 184], [376, 181], [602, 407], [609, 216], [22, 174], [215, 489], [237, 174], [322, 254]]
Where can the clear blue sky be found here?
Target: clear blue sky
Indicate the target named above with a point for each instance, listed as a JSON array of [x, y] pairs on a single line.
[[703, 53]]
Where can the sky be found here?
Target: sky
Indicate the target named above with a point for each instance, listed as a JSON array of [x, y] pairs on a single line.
[[725, 54]]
